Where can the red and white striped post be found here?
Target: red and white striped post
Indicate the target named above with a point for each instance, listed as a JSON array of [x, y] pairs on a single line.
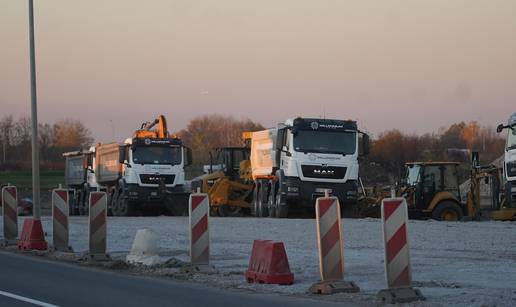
[[97, 225], [329, 242], [10, 213], [199, 209], [60, 212], [398, 272]]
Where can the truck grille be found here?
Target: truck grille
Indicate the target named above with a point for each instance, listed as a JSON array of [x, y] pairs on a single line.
[[155, 179], [324, 172], [511, 169]]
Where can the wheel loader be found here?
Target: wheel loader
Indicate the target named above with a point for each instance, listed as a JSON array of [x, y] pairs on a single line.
[[227, 181]]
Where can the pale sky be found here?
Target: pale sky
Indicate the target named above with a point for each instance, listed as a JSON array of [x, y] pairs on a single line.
[[412, 65]]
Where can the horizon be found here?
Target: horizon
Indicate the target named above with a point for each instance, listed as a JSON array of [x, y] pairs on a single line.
[[387, 65]]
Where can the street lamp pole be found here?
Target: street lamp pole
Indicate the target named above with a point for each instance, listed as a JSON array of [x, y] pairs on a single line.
[[34, 117]]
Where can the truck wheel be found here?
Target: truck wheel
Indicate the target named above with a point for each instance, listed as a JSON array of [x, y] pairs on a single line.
[[114, 204], [281, 205], [111, 203], [83, 207], [271, 201], [123, 206], [262, 200], [126, 208], [73, 203], [254, 203], [447, 211]]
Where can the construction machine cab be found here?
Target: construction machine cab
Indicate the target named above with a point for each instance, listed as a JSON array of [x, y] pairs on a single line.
[[431, 186], [228, 160]]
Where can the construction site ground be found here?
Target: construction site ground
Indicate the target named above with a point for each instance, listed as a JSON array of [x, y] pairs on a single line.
[[453, 263]]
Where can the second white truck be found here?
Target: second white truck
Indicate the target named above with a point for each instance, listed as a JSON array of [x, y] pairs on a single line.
[[300, 159]]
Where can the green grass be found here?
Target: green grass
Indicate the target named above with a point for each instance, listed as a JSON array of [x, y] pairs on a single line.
[[23, 179]]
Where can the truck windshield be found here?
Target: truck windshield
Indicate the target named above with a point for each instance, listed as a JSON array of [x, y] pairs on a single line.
[[413, 174], [157, 155], [511, 139], [325, 142]]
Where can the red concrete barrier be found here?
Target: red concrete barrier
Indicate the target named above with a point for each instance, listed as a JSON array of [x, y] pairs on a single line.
[[269, 264], [32, 237]]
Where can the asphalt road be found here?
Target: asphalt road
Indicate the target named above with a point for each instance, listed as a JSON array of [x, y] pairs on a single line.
[[29, 281]]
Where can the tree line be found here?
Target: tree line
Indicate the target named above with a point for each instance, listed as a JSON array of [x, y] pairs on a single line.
[[390, 150], [54, 139], [393, 148]]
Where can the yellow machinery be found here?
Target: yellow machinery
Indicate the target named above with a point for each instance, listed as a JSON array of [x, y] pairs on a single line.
[[227, 182], [161, 132], [493, 206], [432, 190]]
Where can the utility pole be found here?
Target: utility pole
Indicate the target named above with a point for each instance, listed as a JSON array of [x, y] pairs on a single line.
[[34, 117]]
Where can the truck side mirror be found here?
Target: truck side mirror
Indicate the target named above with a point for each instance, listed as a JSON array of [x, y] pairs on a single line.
[[365, 145], [121, 155], [280, 139], [189, 156], [500, 128]]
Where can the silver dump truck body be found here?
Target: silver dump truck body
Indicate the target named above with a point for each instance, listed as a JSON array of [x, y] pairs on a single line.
[[75, 172], [108, 168]]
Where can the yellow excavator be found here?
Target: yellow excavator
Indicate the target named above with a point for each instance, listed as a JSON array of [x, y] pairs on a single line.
[[160, 132]]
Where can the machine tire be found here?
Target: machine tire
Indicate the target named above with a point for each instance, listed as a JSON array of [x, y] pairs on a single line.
[[271, 201], [262, 200], [447, 211], [230, 211]]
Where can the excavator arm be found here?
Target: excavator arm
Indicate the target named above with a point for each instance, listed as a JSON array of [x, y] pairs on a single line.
[[160, 132]]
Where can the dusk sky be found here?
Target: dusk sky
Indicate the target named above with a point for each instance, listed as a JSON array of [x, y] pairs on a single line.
[[411, 65]]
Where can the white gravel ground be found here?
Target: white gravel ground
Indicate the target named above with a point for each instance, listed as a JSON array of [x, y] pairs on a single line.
[[453, 263]]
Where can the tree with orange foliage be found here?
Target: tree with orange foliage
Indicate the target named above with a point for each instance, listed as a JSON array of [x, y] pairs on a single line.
[[207, 132]]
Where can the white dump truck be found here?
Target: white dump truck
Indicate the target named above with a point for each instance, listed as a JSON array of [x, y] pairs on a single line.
[[296, 162], [510, 160], [144, 174]]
